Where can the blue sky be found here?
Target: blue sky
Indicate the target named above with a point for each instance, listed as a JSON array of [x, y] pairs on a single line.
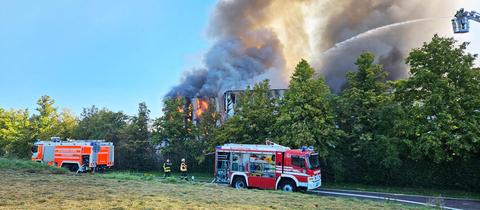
[[110, 53]]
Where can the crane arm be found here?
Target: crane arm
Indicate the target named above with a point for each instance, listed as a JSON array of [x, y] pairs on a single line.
[[475, 16]]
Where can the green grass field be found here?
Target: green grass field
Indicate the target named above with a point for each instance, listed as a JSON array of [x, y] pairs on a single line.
[[42, 188]]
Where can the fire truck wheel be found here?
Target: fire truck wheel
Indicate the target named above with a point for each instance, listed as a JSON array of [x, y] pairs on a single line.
[[74, 168], [288, 186], [239, 183], [66, 166], [71, 167]]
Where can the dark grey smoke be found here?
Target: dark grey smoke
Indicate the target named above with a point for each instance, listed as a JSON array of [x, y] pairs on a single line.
[[391, 46], [393, 62], [241, 51]]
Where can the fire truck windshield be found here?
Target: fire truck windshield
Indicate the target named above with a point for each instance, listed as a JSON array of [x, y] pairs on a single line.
[[313, 162]]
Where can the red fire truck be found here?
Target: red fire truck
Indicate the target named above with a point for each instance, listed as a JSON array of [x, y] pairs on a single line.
[[269, 166], [79, 156]]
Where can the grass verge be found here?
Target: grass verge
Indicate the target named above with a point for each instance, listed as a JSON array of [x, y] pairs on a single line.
[[125, 175], [29, 166], [133, 175]]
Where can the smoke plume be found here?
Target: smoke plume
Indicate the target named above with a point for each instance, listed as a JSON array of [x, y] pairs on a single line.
[[256, 40], [243, 50], [391, 45]]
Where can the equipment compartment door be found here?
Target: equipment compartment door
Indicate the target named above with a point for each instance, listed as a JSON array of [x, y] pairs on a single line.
[[103, 155], [222, 167], [262, 171]]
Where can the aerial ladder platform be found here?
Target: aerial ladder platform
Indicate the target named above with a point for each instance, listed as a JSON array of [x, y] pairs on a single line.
[[461, 21]]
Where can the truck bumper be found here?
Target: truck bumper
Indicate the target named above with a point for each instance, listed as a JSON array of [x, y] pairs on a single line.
[[315, 183]]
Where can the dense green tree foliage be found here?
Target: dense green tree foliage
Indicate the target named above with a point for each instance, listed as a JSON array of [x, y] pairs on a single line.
[[137, 149], [254, 117], [101, 124], [15, 133], [440, 102], [46, 122], [364, 113], [306, 115], [67, 123], [176, 132], [19, 130], [208, 124]]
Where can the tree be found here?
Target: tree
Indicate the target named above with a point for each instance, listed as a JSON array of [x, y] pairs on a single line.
[[364, 113], [19, 130], [253, 122], [15, 133], [46, 123], [306, 116], [68, 124], [137, 149], [106, 125], [100, 124], [440, 102], [209, 123], [176, 132]]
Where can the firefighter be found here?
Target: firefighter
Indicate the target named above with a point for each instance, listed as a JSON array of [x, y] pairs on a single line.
[[183, 169], [167, 168]]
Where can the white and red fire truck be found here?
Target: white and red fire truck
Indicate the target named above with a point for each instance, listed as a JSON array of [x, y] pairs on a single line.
[[269, 166], [79, 155]]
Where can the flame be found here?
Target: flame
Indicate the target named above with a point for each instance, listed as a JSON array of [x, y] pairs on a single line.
[[178, 99], [201, 106]]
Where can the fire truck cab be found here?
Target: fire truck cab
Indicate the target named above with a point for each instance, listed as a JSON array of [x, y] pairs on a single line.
[[270, 166], [77, 156]]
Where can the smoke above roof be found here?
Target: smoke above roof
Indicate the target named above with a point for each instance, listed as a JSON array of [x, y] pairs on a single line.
[[255, 40]]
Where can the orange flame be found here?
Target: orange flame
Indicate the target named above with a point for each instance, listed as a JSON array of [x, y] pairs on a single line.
[[201, 106], [178, 99]]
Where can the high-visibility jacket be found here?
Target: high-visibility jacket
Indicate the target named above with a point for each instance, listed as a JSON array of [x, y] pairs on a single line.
[[183, 167], [166, 167]]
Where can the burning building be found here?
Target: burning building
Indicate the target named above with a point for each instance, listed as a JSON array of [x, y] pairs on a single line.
[[201, 105], [196, 107], [224, 105], [230, 100]]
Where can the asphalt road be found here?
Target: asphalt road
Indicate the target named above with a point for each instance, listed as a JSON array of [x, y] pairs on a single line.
[[444, 203]]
